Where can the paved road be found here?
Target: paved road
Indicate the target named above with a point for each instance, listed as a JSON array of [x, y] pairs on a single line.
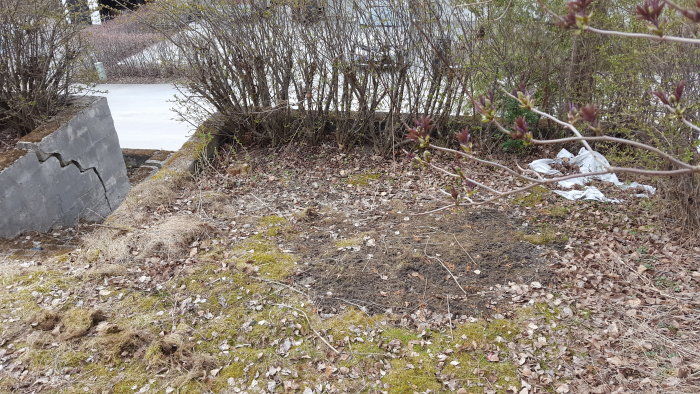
[[143, 117]]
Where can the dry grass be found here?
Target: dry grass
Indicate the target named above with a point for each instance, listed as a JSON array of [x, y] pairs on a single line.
[[682, 197], [173, 236], [151, 193], [168, 238]]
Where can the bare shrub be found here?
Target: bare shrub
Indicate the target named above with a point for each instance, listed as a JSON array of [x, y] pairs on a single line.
[[129, 47], [682, 197], [288, 70], [673, 144], [40, 52], [363, 71]]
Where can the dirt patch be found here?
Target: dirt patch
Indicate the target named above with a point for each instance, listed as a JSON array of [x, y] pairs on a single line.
[[141, 163], [137, 157], [363, 235], [139, 174], [405, 263], [8, 157], [35, 247], [8, 140]]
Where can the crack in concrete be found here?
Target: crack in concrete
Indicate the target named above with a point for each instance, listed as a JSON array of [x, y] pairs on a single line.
[[43, 157]]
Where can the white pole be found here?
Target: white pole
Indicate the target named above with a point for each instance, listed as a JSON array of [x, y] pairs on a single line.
[[65, 9], [101, 72], [95, 12]]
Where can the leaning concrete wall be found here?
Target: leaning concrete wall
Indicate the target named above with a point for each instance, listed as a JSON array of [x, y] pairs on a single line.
[[72, 170]]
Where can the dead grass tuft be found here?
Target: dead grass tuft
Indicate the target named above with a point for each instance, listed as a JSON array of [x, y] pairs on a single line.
[[125, 344], [159, 190], [170, 238], [44, 320], [106, 245], [173, 236], [150, 193], [77, 322], [682, 197]]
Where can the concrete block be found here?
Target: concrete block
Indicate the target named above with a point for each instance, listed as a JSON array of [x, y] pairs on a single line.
[[72, 170]]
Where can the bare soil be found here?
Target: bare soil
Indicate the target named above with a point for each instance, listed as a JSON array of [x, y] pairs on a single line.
[[415, 262], [367, 241]]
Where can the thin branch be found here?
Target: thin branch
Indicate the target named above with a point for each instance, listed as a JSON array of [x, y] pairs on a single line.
[[465, 251], [425, 252], [532, 185], [482, 161], [449, 272], [310, 327], [638, 171], [453, 175], [692, 126], [616, 140], [685, 40], [547, 181], [436, 210], [557, 121]]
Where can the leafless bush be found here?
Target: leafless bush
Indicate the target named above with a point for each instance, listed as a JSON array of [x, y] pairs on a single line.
[[129, 47], [301, 70], [682, 197], [677, 148], [39, 53]]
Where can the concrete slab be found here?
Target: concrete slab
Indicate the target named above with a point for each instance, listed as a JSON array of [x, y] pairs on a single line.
[[143, 117], [72, 169]]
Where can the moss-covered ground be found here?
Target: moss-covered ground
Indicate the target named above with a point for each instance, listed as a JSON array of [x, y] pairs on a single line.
[[228, 321], [286, 278]]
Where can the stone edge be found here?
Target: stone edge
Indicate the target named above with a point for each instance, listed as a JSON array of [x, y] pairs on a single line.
[[65, 114], [181, 165]]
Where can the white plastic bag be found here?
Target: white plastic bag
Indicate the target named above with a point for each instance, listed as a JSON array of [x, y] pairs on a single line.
[[588, 162]]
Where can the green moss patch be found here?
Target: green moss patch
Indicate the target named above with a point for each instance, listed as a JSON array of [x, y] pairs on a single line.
[[407, 377], [557, 211], [363, 179], [536, 196], [545, 234], [266, 259]]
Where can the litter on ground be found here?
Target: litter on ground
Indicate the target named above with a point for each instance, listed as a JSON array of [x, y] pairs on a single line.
[[586, 162]]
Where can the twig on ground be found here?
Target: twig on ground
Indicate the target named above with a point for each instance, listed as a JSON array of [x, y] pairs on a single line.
[[362, 308], [310, 326], [449, 316], [465, 251], [267, 206], [435, 210], [450, 272], [277, 283], [445, 267]]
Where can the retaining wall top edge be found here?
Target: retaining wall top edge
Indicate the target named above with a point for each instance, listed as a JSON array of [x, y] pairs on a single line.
[[8, 158], [180, 165], [76, 105]]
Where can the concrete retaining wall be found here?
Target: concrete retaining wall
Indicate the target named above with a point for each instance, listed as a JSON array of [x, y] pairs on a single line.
[[71, 169]]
